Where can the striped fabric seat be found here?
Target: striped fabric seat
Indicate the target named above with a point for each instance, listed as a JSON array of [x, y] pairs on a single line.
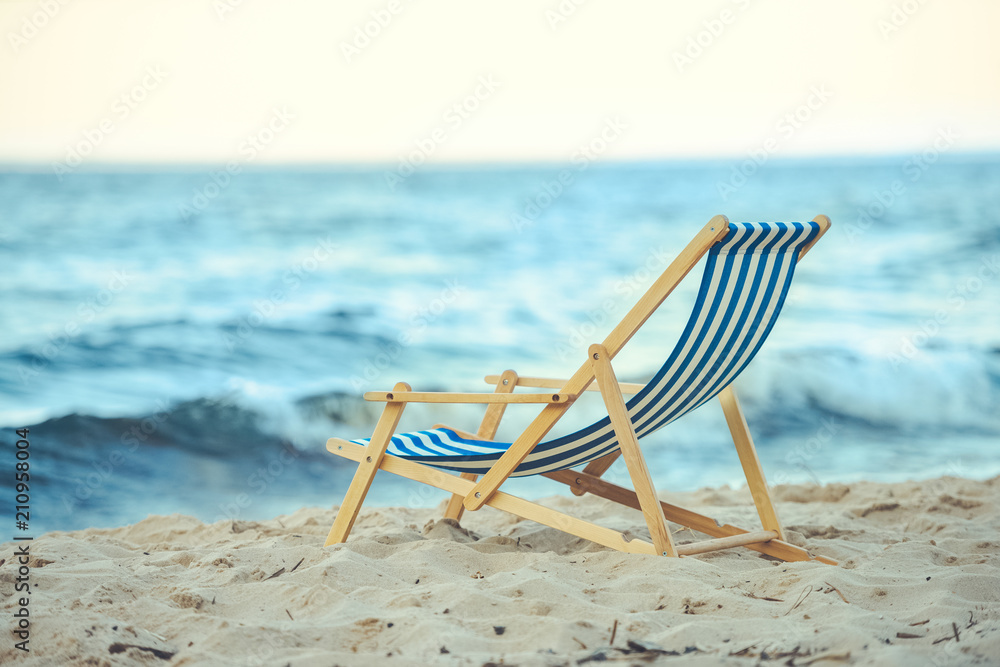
[[746, 278]]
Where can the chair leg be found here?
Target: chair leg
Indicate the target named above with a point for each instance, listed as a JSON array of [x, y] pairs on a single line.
[[505, 502], [748, 459], [367, 468], [487, 431], [641, 480], [455, 508]]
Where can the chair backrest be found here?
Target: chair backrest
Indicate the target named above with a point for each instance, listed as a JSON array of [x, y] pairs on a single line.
[[747, 275]]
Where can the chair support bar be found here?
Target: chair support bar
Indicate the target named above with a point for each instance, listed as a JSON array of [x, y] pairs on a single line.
[[556, 383], [459, 397], [719, 543]]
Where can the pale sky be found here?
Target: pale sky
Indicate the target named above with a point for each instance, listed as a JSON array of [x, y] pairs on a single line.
[[190, 81]]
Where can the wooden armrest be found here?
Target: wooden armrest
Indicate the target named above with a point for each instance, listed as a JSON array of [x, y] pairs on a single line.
[[546, 383], [461, 397]]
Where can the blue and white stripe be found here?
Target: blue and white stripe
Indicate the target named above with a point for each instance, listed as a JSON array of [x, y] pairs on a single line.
[[746, 278]]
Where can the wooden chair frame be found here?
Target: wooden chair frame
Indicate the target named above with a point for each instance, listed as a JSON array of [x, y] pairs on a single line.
[[471, 494]]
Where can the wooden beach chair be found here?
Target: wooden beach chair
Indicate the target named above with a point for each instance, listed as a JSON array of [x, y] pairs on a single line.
[[748, 270]]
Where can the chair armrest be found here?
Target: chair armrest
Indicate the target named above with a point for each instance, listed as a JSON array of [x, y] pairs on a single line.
[[462, 397], [546, 383]]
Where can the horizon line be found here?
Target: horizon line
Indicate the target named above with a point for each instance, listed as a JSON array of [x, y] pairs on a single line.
[[98, 166]]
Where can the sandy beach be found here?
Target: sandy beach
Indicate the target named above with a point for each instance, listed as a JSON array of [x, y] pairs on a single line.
[[917, 585]]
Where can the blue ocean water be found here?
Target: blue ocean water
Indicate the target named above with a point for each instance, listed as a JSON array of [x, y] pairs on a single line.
[[186, 341]]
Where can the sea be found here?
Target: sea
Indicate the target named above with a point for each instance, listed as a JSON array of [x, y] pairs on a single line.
[[186, 339]]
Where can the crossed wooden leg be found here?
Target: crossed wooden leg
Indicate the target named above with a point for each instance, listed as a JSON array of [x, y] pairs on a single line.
[[769, 541]]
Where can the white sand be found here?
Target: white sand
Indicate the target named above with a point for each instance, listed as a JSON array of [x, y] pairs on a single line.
[[918, 585]]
